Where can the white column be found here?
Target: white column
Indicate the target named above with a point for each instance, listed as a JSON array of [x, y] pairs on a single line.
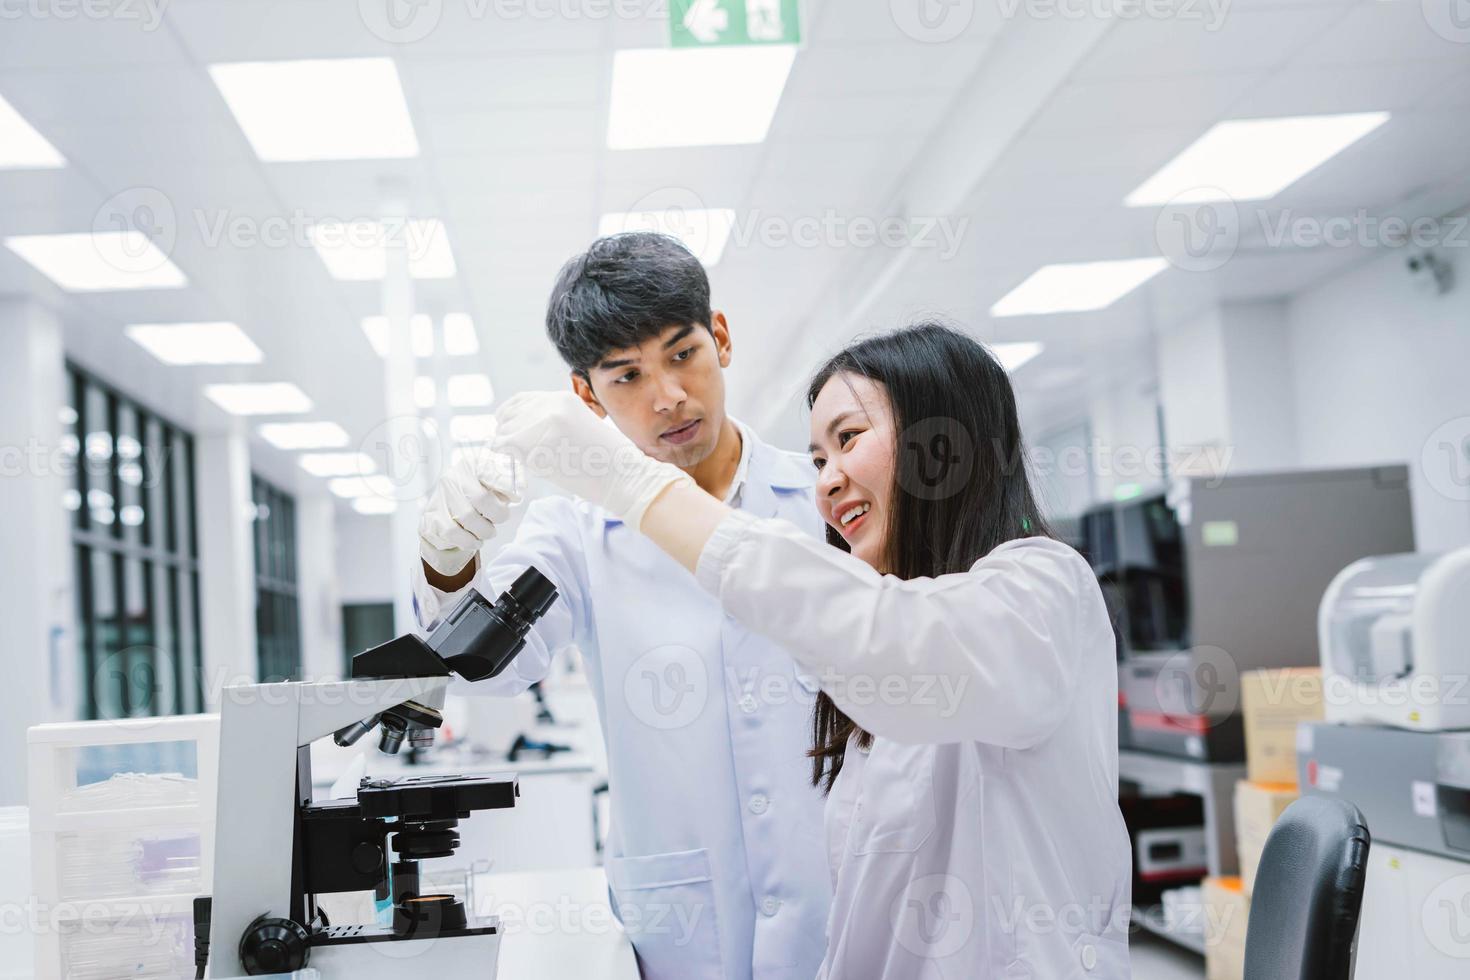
[[317, 593], [404, 456], [37, 605], [1225, 380], [226, 560]]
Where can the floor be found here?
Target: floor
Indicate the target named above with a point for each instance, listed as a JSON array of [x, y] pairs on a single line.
[[1159, 959]]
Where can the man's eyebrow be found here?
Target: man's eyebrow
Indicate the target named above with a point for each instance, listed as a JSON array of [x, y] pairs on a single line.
[[610, 365], [832, 425], [688, 329]]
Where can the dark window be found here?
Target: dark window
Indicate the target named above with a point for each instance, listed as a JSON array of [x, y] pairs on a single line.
[[364, 626], [277, 624], [137, 570]]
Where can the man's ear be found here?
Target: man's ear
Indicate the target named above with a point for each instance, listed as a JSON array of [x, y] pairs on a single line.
[[583, 388], [720, 328]]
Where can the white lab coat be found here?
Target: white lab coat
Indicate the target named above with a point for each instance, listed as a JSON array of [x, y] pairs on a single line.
[[980, 837], [714, 853]]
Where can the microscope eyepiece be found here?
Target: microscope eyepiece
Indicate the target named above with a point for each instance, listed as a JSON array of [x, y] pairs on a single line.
[[479, 638]]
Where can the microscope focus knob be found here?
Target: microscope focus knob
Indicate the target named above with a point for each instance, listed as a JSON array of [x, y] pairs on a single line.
[[274, 946]]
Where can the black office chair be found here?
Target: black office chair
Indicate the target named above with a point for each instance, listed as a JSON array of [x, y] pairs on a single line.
[[1308, 891]]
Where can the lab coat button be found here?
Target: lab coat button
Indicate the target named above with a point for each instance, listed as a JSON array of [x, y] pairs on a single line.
[[769, 905], [1089, 956], [747, 704], [759, 803]]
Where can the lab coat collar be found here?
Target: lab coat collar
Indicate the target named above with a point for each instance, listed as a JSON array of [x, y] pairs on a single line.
[[768, 471]]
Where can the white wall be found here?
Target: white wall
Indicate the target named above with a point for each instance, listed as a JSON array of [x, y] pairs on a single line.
[[1379, 367], [364, 558]]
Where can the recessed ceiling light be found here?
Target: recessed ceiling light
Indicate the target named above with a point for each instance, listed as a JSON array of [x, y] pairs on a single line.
[[1253, 159], [421, 332], [338, 464], [362, 486], [1012, 356], [704, 231], [304, 435], [1076, 287], [354, 251], [465, 391], [665, 97], [95, 262], [459, 335], [195, 343], [259, 398], [21, 147], [472, 428], [374, 505], [337, 109]]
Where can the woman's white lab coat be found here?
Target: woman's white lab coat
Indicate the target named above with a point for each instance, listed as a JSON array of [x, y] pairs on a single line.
[[980, 836]]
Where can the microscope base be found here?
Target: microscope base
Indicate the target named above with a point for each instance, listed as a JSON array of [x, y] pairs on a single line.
[[374, 953]]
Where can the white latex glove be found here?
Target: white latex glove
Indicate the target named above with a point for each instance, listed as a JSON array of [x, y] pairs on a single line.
[[472, 496], [557, 437]]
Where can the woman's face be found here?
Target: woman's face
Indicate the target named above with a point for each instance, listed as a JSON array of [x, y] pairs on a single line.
[[852, 448]]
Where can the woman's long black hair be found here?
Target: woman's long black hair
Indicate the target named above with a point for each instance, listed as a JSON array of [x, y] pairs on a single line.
[[960, 484]]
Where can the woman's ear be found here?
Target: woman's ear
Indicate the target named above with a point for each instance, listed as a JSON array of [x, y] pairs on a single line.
[[719, 327], [583, 388]]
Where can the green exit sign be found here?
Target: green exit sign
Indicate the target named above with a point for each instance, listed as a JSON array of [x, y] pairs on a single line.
[[714, 23]]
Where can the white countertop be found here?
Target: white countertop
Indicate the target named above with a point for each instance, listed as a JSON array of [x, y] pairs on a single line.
[[556, 924]]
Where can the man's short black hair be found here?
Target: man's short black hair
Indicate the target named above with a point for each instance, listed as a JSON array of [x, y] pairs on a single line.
[[623, 290]]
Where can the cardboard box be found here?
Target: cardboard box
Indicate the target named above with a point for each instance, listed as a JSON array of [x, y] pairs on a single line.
[[1257, 807], [1227, 912], [1273, 702]]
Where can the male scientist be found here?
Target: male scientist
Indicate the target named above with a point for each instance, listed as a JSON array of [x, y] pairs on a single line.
[[715, 855]]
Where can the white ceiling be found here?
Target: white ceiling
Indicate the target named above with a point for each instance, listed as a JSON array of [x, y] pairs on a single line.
[[1030, 130]]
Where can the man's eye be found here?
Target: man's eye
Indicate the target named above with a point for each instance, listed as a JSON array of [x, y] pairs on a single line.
[[626, 377], [684, 354]]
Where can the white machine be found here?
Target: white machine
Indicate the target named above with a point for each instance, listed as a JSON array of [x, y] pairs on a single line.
[[277, 849], [1394, 635]]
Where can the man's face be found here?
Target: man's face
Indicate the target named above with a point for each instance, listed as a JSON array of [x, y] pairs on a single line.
[[668, 393]]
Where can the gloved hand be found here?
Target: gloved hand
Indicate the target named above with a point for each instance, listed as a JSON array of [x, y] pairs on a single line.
[[472, 496], [557, 437]]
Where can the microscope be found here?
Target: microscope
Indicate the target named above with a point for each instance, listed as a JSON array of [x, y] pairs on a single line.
[[276, 849]]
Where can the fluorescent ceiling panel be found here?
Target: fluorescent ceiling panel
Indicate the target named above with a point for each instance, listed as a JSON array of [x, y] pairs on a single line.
[[1012, 356], [1253, 159], [338, 464], [704, 231], [21, 147], [182, 344], [335, 109], [374, 505], [304, 435], [85, 262], [362, 486], [663, 97], [459, 335], [465, 391], [354, 251], [259, 398], [1077, 287]]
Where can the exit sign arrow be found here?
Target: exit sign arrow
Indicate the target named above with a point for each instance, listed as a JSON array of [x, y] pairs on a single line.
[[723, 23]]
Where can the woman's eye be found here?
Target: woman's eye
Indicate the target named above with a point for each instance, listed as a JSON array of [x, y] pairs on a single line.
[[843, 438], [818, 462]]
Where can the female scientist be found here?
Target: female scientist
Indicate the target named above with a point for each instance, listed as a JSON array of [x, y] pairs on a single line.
[[966, 731]]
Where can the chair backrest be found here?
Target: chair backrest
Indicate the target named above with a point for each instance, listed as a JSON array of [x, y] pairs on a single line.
[[1308, 891]]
